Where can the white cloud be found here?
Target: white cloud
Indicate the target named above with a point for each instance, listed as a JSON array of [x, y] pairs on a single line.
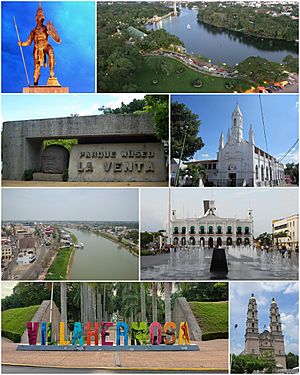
[[7, 288], [125, 98], [289, 325], [291, 288], [261, 300]]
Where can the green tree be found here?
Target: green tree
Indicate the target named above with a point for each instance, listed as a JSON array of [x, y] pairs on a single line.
[[197, 172], [246, 363], [184, 121], [292, 170], [292, 360], [265, 239]]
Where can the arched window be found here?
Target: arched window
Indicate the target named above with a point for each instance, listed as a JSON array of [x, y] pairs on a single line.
[[267, 173], [262, 173], [183, 230], [219, 230], [239, 230], [192, 230], [176, 230], [256, 172], [271, 177], [247, 230], [202, 229], [210, 230], [229, 230], [234, 122]]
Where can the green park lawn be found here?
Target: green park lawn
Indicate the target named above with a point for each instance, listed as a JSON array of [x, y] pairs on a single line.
[[211, 316], [59, 266], [182, 82], [14, 320]]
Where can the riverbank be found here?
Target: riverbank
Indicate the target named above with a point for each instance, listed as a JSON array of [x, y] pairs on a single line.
[[62, 263], [133, 250]]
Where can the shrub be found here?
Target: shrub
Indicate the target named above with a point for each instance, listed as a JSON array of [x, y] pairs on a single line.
[[13, 336], [214, 335], [28, 175]]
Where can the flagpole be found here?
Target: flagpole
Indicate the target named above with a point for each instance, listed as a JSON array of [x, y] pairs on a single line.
[[21, 52]]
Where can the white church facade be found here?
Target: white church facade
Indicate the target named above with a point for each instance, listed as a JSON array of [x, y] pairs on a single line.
[[240, 162], [210, 230]]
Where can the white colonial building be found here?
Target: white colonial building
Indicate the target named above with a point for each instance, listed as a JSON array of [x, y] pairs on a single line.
[[240, 162], [210, 230]]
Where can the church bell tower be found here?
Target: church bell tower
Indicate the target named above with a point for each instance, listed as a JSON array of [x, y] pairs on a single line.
[[237, 125], [276, 331], [251, 336]]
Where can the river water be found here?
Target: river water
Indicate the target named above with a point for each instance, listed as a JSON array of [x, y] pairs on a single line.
[[220, 45], [101, 259]]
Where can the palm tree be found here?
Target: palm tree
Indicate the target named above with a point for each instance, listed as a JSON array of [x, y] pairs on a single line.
[[143, 302], [167, 293]]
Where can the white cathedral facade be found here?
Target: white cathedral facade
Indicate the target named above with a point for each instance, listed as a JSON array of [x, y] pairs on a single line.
[[240, 162], [210, 230]]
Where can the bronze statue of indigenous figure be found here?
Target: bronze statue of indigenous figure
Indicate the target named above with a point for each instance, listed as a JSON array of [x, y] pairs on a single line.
[[39, 36]]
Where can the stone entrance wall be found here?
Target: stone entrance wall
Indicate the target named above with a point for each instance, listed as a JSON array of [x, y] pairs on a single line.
[[23, 140]]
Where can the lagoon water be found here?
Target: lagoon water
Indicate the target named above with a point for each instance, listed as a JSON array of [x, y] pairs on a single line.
[[101, 259], [220, 45]]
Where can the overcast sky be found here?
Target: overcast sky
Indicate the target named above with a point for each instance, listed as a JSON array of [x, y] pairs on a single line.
[[286, 296], [267, 204], [92, 204]]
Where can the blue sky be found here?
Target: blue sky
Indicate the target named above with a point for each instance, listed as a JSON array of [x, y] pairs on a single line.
[[28, 107], [267, 204], [75, 55], [286, 296], [70, 204], [280, 115]]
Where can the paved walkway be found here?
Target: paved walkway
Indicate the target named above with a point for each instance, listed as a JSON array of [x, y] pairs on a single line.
[[15, 183], [212, 355]]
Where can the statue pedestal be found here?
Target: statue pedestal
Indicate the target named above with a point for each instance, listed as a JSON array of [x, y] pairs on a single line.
[[45, 90], [218, 264]]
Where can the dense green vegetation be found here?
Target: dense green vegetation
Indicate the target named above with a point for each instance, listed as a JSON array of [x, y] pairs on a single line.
[[292, 360], [212, 317], [14, 321], [184, 121], [260, 70], [292, 170], [259, 22], [59, 267], [118, 51], [246, 363], [173, 75]]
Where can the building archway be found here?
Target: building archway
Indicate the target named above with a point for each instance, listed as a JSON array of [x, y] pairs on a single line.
[[192, 241], [183, 241], [175, 241], [247, 242], [229, 241], [239, 241], [210, 242], [219, 242], [202, 242]]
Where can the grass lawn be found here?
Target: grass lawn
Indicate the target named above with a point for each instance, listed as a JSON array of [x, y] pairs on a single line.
[[59, 267], [14, 320], [211, 316], [181, 82]]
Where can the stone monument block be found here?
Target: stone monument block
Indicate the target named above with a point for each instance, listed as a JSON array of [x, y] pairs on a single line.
[[45, 90], [113, 162], [55, 159]]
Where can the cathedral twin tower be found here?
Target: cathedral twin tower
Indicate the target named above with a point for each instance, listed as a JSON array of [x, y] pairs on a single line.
[[268, 342]]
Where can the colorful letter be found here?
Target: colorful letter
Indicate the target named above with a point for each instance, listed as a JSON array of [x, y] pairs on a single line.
[[49, 334], [77, 334], [184, 334], [32, 332], [62, 340], [155, 339], [138, 333], [124, 333], [105, 333], [170, 330], [90, 333], [43, 333]]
